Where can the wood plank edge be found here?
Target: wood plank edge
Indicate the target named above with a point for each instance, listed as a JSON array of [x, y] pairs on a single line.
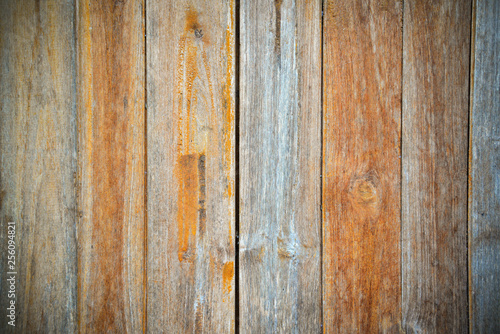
[[237, 196], [469, 167]]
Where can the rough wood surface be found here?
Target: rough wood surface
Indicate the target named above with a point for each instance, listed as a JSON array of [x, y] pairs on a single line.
[[190, 134], [38, 163], [484, 208], [435, 150], [361, 166], [280, 161], [111, 166]]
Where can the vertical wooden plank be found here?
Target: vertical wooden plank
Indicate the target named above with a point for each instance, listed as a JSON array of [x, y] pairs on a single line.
[[38, 164], [361, 157], [111, 166], [191, 213], [484, 187], [280, 163], [434, 188]]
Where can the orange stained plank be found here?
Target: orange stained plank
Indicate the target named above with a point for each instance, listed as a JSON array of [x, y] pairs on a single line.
[[38, 165], [111, 166], [434, 165], [361, 166], [190, 136]]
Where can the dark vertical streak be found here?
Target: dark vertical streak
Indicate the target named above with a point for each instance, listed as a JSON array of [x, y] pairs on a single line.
[[277, 40], [469, 164], [237, 167], [79, 171], [76, 178], [202, 212], [78, 144], [76, 148]]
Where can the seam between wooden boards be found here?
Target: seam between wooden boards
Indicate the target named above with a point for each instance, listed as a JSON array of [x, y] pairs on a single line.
[[469, 165]]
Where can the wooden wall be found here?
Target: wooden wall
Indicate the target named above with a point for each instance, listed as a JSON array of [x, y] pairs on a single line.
[[228, 166]]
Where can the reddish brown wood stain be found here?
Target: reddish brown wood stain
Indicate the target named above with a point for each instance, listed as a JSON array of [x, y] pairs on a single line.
[[229, 112], [188, 203], [190, 166], [227, 276], [194, 292], [111, 166], [362, 62], [191, 84], [435, 148], [108, 170], [229, 106], [191, 203]]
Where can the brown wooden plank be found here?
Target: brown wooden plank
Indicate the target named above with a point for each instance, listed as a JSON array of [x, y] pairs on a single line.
[[361, 161], [484, 187], [280, 163], [38, 164], [111, 166], [434, 188], [190, 134]]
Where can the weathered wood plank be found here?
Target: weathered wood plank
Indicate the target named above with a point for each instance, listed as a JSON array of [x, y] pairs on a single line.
[[280, 163], [191, 134], [434, 187], [111, 166], [38, 163], [361, 159], [484, 187]]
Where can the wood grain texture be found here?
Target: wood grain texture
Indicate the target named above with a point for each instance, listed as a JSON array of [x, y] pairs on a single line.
[[191, 134], [38, 163], [111, 166], [484, 187], [435, 150], [280, 163], [361, 163]]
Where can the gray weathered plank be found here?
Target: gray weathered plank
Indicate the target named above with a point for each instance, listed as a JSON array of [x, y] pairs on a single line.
[[484, 187], [436, 47], [280, 159], [361, 159], [111, 166], [190, 135], [38, 163]]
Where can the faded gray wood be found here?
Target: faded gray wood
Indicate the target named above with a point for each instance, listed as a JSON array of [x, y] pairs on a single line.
[[190, 136], [436, 48], [280, 157], [38, 163], [484, 212]]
